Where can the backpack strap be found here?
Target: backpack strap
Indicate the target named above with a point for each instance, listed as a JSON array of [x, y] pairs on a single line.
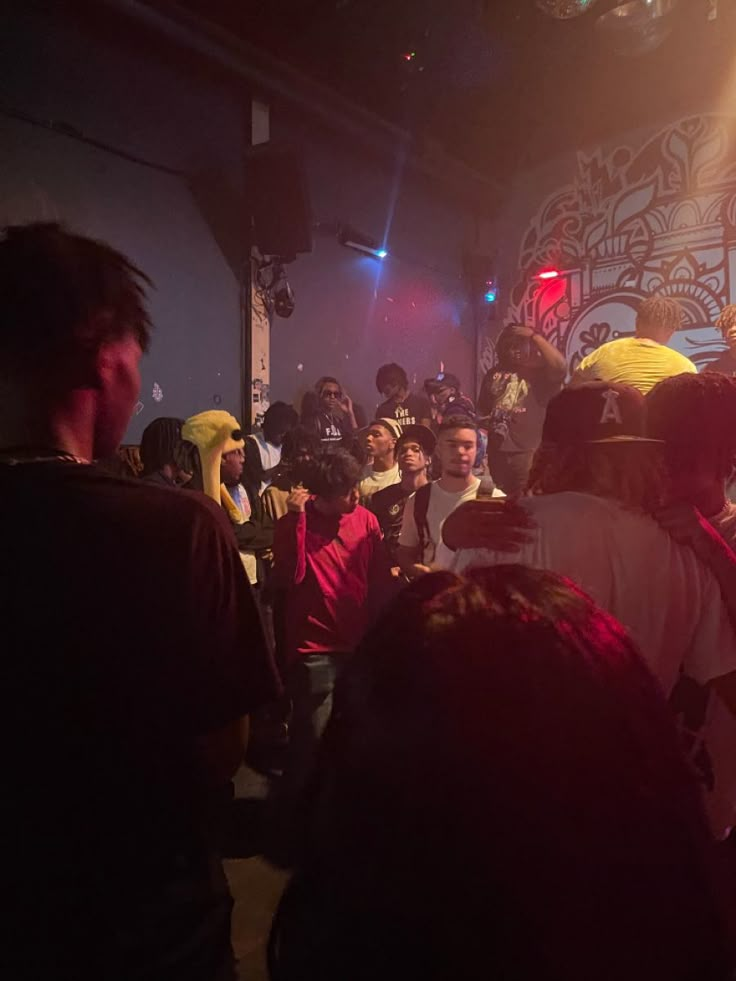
[[421, 506]]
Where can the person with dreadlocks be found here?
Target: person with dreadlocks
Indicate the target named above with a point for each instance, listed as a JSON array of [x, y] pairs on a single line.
[[644, 359], [694, 417], [726, 323], [596, 482], [514, 397], [164, 454]]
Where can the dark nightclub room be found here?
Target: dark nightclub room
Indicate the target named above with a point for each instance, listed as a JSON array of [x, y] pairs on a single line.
[[344, 345]]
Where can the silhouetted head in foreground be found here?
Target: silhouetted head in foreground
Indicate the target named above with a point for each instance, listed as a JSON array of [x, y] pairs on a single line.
[[500, 794]]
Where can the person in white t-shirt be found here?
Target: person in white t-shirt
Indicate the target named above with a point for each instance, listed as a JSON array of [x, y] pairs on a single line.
[[382, 469], [634, 573], [425, 511], [597, 479]]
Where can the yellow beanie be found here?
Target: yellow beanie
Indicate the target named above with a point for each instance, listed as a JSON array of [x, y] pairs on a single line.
[[213, 433]]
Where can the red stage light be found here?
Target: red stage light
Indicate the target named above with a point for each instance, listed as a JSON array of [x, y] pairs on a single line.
[[548, 274]]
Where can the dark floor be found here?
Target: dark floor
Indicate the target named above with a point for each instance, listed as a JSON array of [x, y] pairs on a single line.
[[255, 884]]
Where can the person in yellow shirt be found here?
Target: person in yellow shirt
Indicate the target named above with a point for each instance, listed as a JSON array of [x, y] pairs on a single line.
[[644, 359]]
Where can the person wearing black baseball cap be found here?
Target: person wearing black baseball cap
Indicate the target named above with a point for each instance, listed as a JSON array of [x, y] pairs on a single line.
[[414, 450], [595, 483]]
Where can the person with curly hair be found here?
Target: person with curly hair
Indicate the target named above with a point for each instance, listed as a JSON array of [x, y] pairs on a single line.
[[726, 323], [645, 358], [500, 793], [332, 568]]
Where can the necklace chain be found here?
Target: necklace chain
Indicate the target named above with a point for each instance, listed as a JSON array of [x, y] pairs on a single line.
[[18, 455]]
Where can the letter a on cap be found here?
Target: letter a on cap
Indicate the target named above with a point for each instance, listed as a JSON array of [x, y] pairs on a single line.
[[611, 411]]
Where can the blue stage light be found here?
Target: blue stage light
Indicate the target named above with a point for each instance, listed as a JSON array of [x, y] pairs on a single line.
[[381, 253]]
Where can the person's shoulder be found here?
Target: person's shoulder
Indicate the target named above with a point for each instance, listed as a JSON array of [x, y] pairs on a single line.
[[363, 516], [386, 496], [160, 508], [577, 504], [683, 363], [725, 524], [605, 350], [724, 364]]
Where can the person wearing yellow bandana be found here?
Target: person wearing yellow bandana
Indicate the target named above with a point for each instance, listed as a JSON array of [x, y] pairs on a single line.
[[219, 439]]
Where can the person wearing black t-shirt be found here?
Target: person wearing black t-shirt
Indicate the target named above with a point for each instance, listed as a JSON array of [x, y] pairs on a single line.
[[132, 649], [414, 451], [725, 364], [401, 404], [333, 417]]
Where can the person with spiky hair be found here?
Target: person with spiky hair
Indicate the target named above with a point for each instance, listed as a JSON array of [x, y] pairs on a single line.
[[644, 359], [132, 649]]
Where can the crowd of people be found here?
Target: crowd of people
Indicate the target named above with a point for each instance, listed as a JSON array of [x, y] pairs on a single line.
[[499, 639]]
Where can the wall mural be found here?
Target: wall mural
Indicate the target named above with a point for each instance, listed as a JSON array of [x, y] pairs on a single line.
[[661, 218]]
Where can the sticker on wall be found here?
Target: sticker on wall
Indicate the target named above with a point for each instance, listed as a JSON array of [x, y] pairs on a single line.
[[157, 395], [138, 408], [300, 367]]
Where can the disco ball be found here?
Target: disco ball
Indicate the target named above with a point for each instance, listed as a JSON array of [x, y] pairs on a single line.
[[565, 9]]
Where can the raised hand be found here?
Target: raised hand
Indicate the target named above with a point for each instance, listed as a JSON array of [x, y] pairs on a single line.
[[499, 525], [297, 500]]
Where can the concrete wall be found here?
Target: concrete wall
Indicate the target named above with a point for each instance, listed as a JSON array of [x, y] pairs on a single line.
[[115, 83], [353, 312]]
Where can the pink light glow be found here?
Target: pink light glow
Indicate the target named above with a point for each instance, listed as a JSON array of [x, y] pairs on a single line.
[[548, 274]]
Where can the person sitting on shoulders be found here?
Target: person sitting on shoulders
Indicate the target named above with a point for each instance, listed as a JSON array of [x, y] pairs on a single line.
[[644, 359]]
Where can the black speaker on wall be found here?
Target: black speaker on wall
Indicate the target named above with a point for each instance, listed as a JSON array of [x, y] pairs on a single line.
[[278, 201]]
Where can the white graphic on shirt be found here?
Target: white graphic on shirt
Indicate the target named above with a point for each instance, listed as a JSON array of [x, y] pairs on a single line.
[[611, 411]]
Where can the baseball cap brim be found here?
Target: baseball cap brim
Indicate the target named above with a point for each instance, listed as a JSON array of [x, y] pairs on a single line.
[[625, 439]]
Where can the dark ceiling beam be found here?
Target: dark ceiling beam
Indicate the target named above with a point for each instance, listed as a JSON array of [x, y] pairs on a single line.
[[270, 77]]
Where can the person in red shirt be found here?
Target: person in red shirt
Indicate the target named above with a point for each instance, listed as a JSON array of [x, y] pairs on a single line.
[[331, 565]]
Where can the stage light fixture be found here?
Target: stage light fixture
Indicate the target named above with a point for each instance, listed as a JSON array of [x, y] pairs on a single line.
[[353, 239], [546, 274]]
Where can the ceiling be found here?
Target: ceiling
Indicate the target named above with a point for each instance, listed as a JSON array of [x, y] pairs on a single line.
[[499, 84]]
